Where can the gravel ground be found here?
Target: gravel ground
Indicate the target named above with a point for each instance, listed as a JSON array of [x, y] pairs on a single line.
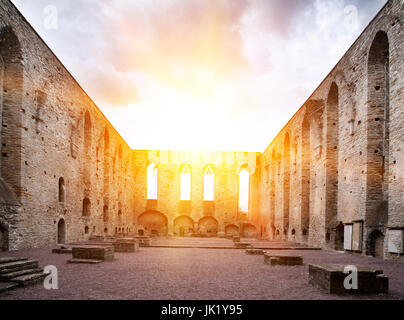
[[193, 274]]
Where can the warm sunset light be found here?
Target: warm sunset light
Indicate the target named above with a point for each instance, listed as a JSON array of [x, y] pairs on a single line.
[[196, 152], [199, 75]]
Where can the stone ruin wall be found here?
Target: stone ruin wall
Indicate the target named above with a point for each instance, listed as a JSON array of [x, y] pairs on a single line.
[[340, 159], [226, 167], [337, 164], [51, 130]]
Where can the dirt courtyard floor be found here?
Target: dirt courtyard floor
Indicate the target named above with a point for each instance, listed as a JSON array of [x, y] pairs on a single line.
[[194, 274]]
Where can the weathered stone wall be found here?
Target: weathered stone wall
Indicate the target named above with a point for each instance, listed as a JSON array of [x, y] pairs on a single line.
[[52, 130], [334, 173], [171, 213], [339, 160]]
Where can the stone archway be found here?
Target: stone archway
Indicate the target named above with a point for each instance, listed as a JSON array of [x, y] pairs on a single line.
[[183, 226], [61, 233], [249, 231], [339, 237], [154, 223], [232, 230], [376, 244], [209, 226]]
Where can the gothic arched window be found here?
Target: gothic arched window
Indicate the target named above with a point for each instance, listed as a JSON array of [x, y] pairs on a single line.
[[208, 184], [186, 183], [152, 182]]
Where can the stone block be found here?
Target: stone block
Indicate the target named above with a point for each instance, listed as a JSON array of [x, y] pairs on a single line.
[[84, 261], [103, 253], [127, 246], [330, 277], [283, 259], [255, 252]]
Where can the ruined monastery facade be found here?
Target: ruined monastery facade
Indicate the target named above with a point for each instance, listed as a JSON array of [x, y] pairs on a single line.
[[332, 178]]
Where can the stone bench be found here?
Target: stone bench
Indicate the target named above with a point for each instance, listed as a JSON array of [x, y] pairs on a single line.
[[103, 253], [283, 259], [126, 245], [330, 277], [257, 252]]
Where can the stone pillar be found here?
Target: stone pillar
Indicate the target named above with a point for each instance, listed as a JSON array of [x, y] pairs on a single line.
[[196, 227], [170, 231], [221, 232]]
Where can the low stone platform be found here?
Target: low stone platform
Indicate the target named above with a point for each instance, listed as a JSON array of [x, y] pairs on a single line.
[[103, 253], [84, 261], [283, 259], [220, 243], [126, 245], [330, 277], [144, 241], [255, 252]]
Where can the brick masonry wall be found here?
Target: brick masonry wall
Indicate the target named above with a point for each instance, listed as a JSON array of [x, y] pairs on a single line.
[[226, 168], [44, 141], [356, 191], [339, 160]]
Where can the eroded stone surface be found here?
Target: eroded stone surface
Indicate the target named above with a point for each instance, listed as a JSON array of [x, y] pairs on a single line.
[[283, 259], [92, 252], [331, 277]]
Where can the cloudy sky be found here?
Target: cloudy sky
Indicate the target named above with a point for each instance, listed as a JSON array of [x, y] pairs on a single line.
[[199, 74]]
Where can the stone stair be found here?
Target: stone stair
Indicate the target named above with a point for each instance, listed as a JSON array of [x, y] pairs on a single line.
[[19, 272]]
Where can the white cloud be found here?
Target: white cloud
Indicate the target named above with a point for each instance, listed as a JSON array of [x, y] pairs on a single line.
[[264, 57]]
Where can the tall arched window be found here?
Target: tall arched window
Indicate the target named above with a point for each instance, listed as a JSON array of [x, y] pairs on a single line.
[[186, 183], [244, 184], [209, 184], [86, 207], [61, 190], [152, 182]]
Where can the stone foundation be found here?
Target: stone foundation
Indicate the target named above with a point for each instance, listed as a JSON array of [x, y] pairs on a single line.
[[330, 277], [283, 260], [103, 253]]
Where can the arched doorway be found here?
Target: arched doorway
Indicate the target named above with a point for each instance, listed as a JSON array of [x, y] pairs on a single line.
[[61, 236], [154, 223], [339, 237], [3, 237], [208, 225], [249, 231], [232, 230], [183, 226], [332, 148], [376, 243], [378, 132]]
